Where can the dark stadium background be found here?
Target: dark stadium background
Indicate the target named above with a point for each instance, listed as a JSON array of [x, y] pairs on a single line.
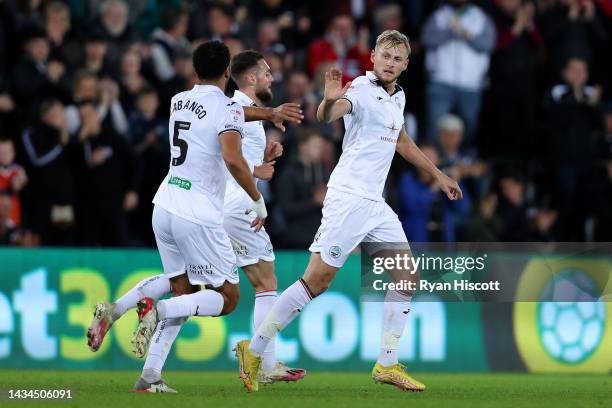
[[85, 87], [535, 162]]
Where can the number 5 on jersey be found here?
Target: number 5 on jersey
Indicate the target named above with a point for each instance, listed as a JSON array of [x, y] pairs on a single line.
[[180, 143]]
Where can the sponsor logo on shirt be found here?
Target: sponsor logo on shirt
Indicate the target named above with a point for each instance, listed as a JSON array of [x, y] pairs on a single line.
[[179, 182], [241, 250], [200, 270], [388, 139]]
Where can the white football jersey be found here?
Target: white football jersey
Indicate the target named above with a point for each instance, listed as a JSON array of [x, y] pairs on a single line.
[[253, 147], [372, 128], [195, 185]]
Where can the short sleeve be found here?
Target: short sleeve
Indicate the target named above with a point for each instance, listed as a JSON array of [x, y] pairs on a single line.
[[231, 119], [352, 95]]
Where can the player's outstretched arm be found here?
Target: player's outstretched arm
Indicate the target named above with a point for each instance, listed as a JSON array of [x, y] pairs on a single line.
[[411, 152], [332, 107], [287, 112], [239, 169]]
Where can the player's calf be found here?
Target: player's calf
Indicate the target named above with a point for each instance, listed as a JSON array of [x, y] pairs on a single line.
[[318, 275], [207, 302]]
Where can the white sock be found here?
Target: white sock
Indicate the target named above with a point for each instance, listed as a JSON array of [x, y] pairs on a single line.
[[263, 303], [161, 343], [285, 309], [202, 303], [153, 287], [395, 315]]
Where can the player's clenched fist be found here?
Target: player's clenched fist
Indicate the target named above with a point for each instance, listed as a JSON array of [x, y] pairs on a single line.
[[273, 151], [265, 171], [450, 187], [333, 85]]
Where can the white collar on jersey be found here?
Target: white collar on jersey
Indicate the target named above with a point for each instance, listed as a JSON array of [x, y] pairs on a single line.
[[243, 99], [374, 80], [207, 88]]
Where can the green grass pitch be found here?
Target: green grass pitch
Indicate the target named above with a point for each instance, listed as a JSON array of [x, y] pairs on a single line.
[[111, 389]]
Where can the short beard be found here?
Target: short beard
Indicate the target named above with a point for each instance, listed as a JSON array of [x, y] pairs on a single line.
[[380, 80], [264, 95]]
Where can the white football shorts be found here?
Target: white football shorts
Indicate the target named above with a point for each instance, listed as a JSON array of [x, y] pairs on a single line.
[[205, 253], [249, 246], [349, 220]]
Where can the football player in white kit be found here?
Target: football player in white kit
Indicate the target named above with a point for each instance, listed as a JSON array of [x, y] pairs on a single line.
[[205, 133], [354, 210], [254, 253]]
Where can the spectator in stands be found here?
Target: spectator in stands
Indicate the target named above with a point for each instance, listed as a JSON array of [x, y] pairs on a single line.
[[147, 130], [511, 102], [484, 225], [425, 213], [573, 28], [183, 79], [351, 53], [114, 27], [27, 13], [8, 230], [513, 208], [220, 21], [268, 38], [298, 88], [604, 215], [149, 141], [12, 178], [168, 41], [459, 165], [571, 121], [131, 80], [35, 77], [300, 191], [9, 124], [459, 38], [57, 26], [51, 194], [235, 45], [106, 181], [105, 94], [95, 58], [522, 220]]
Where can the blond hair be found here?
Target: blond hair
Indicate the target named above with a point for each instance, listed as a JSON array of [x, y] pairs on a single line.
[[394, 38]]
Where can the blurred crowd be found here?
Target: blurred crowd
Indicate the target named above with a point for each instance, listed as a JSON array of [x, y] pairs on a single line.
[[513, 98]]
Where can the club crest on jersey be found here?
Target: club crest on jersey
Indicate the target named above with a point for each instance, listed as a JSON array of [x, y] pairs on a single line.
[[335, 251]]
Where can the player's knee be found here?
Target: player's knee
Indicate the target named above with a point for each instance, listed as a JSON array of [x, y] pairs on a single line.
[[231, 295], [182, 286], [229, 305]]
